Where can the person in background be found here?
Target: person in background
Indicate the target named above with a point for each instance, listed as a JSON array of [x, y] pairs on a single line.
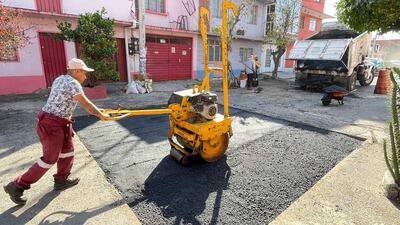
[[251, 71], [54, 129]]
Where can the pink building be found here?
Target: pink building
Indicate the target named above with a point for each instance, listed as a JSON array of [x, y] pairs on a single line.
[[171, 30]]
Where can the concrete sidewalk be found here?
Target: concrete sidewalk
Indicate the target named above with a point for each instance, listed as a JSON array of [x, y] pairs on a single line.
[[349, 194], [93, 201]]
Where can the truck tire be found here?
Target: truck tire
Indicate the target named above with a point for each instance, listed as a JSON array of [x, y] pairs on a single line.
[[350, 83], [367, 80]]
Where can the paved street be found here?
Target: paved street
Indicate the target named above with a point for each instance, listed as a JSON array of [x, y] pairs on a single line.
[[269, 164], [274, 158]]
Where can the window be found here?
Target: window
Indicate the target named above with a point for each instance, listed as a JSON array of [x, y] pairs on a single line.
[[377, 48], [216, 8], [302, 18], [53, 6], [253, 15], [268, 58], [313, 24], [270, 18], [9, 55], [157, 6], [245, 53], [214, 51]]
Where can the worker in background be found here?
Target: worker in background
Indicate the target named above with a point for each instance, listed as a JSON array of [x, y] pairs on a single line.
[[251, 70], [54, 129], [258, 65]]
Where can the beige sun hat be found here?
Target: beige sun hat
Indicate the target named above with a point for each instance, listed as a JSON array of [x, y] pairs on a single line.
[[78, 64]]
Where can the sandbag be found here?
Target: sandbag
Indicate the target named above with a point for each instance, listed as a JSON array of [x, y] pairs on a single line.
[[132, 88]]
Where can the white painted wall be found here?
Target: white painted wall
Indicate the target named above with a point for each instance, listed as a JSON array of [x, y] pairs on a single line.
[[251, 30], [174, 8], [117, 9], [30, 60]]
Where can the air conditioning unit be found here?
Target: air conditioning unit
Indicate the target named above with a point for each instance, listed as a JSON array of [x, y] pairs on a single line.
[[240, 32]]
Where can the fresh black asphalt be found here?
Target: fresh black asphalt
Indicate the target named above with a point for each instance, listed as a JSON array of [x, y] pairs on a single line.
[[269, 164]]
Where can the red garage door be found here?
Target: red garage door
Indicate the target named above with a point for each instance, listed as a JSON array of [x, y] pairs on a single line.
[[53, 56], [169, 58]]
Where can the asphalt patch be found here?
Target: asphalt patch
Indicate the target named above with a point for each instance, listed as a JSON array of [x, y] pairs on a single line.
[[259, 177]]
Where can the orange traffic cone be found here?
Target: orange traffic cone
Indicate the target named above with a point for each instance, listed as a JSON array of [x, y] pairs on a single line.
[[383, 84]]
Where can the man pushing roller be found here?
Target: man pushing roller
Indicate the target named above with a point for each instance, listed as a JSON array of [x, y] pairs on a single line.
[[54, 129]]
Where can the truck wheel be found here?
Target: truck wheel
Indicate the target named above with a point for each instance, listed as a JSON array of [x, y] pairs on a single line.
[[351, 82], [367, 78]]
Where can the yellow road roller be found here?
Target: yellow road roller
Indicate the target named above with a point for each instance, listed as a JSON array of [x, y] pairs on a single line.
[[196, 127]]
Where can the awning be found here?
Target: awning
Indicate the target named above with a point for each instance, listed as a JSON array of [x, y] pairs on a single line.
[[332, 49]]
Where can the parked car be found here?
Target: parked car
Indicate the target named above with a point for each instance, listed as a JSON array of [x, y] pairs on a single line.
[[377, 64]]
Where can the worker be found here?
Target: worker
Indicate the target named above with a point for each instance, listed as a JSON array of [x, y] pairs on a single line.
[[54, 129], [258, 65], [250, 68]]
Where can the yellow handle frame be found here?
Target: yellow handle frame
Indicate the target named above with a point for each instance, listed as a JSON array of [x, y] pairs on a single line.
[[205, 14], [117, 114], [205, 86]]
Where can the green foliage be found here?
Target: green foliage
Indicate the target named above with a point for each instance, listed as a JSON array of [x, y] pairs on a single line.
[[394, 130], [96, 33], [377, 15]]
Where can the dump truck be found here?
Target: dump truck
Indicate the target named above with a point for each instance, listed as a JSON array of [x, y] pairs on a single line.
[[335, 55]]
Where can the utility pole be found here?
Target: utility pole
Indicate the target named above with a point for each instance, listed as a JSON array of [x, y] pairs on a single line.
[[142, 38]]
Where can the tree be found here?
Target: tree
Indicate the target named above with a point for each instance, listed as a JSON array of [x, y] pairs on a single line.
[[285, 20], [12, 34], [244, 11], [96, 34], [377, 15]]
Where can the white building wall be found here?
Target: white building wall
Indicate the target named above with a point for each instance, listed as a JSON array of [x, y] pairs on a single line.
[[255, 31]]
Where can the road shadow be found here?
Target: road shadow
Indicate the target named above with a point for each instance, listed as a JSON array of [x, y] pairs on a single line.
[[62, 217], [74, 218], [17, 130], [396, 203], [7, 217], [181, 193]]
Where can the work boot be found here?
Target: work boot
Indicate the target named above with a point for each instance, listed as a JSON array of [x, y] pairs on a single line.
[[64, 184], [16, 193]]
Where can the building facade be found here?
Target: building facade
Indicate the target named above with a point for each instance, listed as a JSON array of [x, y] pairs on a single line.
[[388, 51], [171, 41], [248, 36], [312, 14], [35, 66], [275, 11]]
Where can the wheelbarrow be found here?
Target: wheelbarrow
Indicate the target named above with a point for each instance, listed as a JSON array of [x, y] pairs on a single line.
[[333, 92]]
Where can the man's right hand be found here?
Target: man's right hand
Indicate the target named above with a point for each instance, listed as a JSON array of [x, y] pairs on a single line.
[[105, 117]]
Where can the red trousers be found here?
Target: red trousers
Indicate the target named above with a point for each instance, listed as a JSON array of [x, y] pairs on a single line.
[[55, 135]]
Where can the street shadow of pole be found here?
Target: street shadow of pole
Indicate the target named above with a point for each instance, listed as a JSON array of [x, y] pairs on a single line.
[[27, 215], [74, 218], [182, 192]]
